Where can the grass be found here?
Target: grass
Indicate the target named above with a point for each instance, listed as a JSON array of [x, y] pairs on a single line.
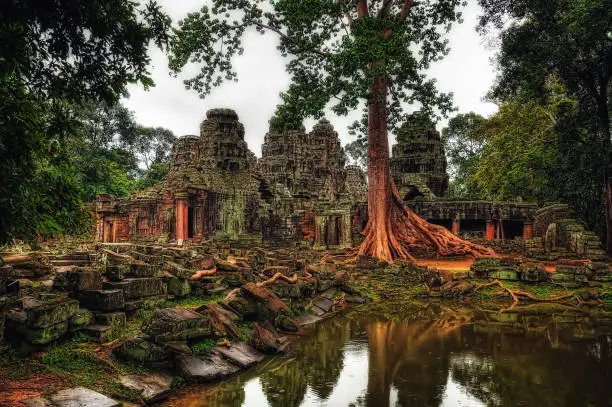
[[75, 363], [203, 346]]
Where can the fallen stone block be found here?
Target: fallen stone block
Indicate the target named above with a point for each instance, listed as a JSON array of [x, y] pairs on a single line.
[[82, 397], [178, 286], [241, 354], [102, 300], [323, 303], [138, 287], [504, 275], [111, 318], [147, 302], [142, 269], [205, 368], [141, 350], [43, 314], [176, 324], [153, 387], [100, 333], [81, 319], [40, 336], [267, 340]]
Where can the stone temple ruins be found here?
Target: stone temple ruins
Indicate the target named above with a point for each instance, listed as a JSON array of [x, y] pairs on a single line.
[[302, 192]]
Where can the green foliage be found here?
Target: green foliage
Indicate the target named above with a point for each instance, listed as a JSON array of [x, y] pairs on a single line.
[[204, 346], [570, 41], [334, 52], [464, 142], [153, 175], [520, 152], [56, 55]]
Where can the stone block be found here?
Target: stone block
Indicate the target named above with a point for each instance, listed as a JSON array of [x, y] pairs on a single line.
[[100, 333], [177, 270], [111, 318], [240, 354], [82, 397], [147, 302], [142, 269], [117, 272], [83, 279], [102, 300], [504, 275], [152, 387], [81, 319], [40, 336], [143, 351], [137, 287], [205, 368], [178, 286], [176, 324], [561, 277], [45, 314], [323, 303]]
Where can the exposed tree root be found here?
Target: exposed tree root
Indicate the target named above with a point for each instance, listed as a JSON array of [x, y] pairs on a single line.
[[339, 302], [202, 273], [517, 295], [224, 342], [402, 230], [280, 276]]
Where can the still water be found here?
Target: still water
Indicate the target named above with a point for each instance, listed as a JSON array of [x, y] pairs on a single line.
[[417, 354]]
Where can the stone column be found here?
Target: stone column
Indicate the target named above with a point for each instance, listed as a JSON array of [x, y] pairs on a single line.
[[527, 230], [180, 211], [490, 233], [346, 238], [456, 228]]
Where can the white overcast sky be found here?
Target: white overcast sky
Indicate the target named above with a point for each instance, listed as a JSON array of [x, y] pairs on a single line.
[[467, 72]]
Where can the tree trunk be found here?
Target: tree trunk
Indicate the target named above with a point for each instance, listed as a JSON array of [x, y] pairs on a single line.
[[393, 229]]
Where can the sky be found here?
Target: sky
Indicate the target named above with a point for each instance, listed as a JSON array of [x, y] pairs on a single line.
[[467, 71]]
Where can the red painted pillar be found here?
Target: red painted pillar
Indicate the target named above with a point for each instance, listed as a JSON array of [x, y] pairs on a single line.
[[490, 234], [181, 221], [527, 230], [186, 221], [456, 226]]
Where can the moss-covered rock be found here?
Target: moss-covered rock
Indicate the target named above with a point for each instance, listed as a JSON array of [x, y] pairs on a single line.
[[143, 351], [176, 324]]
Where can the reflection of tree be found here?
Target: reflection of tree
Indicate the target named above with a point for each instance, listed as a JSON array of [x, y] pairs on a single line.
[[525, 370], [318, 363], [410, 356], [325, 360]]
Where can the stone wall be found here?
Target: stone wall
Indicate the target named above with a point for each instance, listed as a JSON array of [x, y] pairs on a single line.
[[560, 232]]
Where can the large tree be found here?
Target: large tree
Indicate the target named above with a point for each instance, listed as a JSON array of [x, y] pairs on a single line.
[[340, 54], [571, 39]]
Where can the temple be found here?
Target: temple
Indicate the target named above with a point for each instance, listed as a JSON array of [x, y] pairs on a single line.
[[300, 192]]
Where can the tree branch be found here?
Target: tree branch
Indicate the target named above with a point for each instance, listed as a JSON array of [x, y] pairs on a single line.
[[286, 37], [384, 10], [405, 10], [362, 9]]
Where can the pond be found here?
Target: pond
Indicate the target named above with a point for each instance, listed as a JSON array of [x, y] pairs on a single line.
[[431, 354]]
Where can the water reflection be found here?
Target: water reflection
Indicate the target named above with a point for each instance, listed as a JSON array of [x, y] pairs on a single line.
[[431, 355]]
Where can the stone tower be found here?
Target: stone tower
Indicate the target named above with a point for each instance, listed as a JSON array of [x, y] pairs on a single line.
[[308, 165], [418, 164]]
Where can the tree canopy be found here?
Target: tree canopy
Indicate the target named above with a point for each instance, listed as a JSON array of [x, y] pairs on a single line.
[[332, 46]]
